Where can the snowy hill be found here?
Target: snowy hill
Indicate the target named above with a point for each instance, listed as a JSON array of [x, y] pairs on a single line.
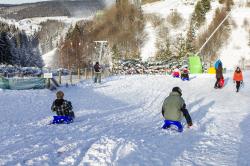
[[231, 53], [238, 48], [118, 123], [77, 8]]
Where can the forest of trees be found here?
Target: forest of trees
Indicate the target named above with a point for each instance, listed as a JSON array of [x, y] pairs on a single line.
[[16, 48], [121, 25]]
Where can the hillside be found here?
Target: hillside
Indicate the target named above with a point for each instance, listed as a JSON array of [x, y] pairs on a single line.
[[80, 8]]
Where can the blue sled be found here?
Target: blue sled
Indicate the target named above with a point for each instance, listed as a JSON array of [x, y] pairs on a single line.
[[185, 79], [168, 123], [62, 120]]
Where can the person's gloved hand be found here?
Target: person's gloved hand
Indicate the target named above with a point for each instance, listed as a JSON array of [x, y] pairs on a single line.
[[234, 82], [241, 82]]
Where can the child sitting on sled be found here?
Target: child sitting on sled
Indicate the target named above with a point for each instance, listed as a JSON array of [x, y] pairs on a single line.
[[62, 107], [185, 74]]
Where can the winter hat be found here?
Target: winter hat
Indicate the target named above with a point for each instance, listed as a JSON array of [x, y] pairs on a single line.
[[59, 95], [177, 89]]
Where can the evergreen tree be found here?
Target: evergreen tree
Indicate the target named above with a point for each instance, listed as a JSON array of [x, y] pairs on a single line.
[[206, 4], [190, 39], [115, 52], [199, 14], [165, 50], [5, 49], [181, 46]]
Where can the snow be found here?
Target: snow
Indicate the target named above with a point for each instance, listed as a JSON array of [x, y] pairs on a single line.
[[163, 9], [237, 47], [149, 48], [119, 122], [49, 57]]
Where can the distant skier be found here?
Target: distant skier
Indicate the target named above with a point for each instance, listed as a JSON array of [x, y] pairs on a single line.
[[97, 71], [174, 107], [62, 107], [185, 74], [219, 74], [238, 78]]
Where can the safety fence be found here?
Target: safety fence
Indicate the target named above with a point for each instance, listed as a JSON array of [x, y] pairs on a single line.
[[59, 78]]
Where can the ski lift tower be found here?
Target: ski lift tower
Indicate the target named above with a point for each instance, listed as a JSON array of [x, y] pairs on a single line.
[[102, 44]]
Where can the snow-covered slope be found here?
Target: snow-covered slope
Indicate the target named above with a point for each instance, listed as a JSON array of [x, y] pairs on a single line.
[[163, 9], [119, 123], [237, 47]]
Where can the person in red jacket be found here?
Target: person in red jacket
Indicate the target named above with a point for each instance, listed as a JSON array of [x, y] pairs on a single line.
[[238, 78]]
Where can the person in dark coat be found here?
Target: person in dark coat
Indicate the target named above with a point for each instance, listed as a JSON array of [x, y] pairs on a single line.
[[174, 107], [62, 107], [219, 75], [97, 71], [185, 74]]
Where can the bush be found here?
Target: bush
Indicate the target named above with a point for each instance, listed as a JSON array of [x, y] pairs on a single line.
[[175, 19]]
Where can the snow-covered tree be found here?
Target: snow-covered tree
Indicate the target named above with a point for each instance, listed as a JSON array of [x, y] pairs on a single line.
[[164, 50], [206, 4]]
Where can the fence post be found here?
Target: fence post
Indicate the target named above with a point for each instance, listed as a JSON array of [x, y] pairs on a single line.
[[79, 74], [91, 73], [48, 79], [60, 77], [70, 77], [85, 72]]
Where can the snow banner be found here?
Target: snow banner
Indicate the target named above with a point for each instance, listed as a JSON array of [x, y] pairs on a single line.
[[22, 83], [195, 65]]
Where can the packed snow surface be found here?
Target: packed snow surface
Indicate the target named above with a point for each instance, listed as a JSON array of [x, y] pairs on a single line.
[[119, 122]]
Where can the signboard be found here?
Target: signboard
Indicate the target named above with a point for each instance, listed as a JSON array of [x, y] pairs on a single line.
[[47, 75]]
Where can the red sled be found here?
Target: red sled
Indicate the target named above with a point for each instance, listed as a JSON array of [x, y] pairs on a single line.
[[176, 74], [221, 83]]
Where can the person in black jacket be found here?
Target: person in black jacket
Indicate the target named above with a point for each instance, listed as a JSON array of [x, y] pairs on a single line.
[[62, 107], [97, 71], [219, 76]]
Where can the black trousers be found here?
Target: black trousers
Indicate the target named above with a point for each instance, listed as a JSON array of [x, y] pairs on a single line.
[[238, 85], [216, 85]]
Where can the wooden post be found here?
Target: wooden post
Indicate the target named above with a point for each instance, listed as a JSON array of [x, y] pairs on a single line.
[[70, 77], [48, 82], [91, 73], [79, 74], [60, 77], [86, 74]]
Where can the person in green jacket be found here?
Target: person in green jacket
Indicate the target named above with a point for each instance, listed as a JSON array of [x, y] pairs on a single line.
[[174, 107]]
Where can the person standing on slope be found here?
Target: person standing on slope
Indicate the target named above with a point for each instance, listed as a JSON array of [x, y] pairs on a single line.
[[219, 75], [97, 70], [174, 107], [238, 78]]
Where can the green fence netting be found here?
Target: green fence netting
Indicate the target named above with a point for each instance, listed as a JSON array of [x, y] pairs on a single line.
[[22, 83], [4, 83]]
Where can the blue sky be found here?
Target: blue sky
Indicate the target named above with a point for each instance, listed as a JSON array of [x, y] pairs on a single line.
[[18, 1]]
